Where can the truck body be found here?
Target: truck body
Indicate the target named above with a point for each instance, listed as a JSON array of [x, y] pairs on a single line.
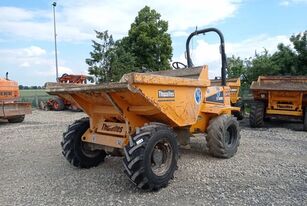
[[279, 96], [235, 99], [10, 108], [145, 116]]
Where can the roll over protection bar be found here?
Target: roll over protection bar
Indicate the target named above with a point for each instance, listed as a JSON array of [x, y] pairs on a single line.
[[222, 50]]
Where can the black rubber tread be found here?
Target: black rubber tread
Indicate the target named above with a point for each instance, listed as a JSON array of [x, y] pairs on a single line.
[[16, 119], [60, 103], [239, 114], [305, 120], [71, 146], [136, 154], [216, 134], [256, 115]]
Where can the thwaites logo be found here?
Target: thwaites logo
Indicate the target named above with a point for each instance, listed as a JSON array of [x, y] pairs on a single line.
[[166, 93], [111, 128]]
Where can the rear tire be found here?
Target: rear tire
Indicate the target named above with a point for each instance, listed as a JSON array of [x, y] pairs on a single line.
[[305, 120], [58, 104], [239, 114], [16, 119], [74, 149], [223, 136], [256, 115], [151, 157]]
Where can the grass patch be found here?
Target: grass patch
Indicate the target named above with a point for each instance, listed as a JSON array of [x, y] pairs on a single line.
[[33, 92], [35, 96]]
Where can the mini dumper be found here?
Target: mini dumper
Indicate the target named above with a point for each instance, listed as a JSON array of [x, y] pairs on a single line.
[[146, 116]]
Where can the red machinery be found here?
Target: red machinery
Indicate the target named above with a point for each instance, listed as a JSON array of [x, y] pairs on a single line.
[[59, 104]]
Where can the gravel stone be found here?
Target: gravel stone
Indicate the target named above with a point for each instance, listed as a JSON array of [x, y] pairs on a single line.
[[270, 168]]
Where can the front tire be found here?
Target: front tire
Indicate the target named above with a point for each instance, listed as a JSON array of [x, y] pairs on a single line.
[[256, 115], [16, 119], [151, 157], [75, 150], [223, 136], [58, 104]]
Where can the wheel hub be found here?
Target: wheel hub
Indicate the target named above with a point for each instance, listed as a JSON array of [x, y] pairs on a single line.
[[86, 150], [161, 158]]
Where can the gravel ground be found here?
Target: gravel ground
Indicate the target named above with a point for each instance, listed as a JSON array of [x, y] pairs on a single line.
[[270, 168]]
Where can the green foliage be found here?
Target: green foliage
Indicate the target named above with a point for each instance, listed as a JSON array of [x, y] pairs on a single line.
[[235, 67], [285, 61], [149, 41], [100, 62], [292, 62], [147, 45], [122, 61]]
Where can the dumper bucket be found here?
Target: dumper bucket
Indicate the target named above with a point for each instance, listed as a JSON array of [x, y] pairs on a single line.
[[142, 97], [10, 109], [280, 83]]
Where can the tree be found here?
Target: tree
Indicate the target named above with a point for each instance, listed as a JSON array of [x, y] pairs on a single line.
[[235, 67], [260, 64], [100, 63], [147, 45], [289, 61], [149, 41], [121, 61]]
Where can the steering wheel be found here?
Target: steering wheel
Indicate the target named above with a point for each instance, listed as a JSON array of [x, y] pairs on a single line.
[[179, 65]]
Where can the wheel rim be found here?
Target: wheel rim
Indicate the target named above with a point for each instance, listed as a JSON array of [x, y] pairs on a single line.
[[55, 105], [231, 136], [86, 151], [161, 157]]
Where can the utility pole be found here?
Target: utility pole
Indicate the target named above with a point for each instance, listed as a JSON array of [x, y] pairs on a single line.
[[55, 43]]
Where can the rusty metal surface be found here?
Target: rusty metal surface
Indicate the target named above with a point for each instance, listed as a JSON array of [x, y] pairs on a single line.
[[14, 109], [192, 73], [229, 82], [281, 83], [58, 88]]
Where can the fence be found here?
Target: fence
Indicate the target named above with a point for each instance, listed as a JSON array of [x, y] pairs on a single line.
[[35, 96]]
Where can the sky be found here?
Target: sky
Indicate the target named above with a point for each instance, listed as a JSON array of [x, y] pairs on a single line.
[[27, 41]]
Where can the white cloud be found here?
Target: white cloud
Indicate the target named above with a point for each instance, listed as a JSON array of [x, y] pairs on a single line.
[[25, 64], [205, 53], [76, 20], [51, 71], [288, 2], [15, 14], [33, 51], [34, 60]]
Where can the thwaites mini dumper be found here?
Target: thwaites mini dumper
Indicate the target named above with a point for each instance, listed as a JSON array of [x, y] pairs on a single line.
[[279, 96], [10, 108], [235, 99], [145, 116]]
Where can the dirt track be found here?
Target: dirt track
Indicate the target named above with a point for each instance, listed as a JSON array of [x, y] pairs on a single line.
[[270, 168]]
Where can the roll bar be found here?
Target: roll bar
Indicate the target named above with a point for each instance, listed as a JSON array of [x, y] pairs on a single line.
[[222, 50]]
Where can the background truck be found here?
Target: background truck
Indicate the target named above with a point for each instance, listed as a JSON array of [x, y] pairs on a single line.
[[235, 99], [58, 103], [10, 108], [144, 117], [279, 96]]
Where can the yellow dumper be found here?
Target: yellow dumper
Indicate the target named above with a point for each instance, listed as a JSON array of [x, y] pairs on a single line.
[[279, 96], [145, 116], [235, 99]]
